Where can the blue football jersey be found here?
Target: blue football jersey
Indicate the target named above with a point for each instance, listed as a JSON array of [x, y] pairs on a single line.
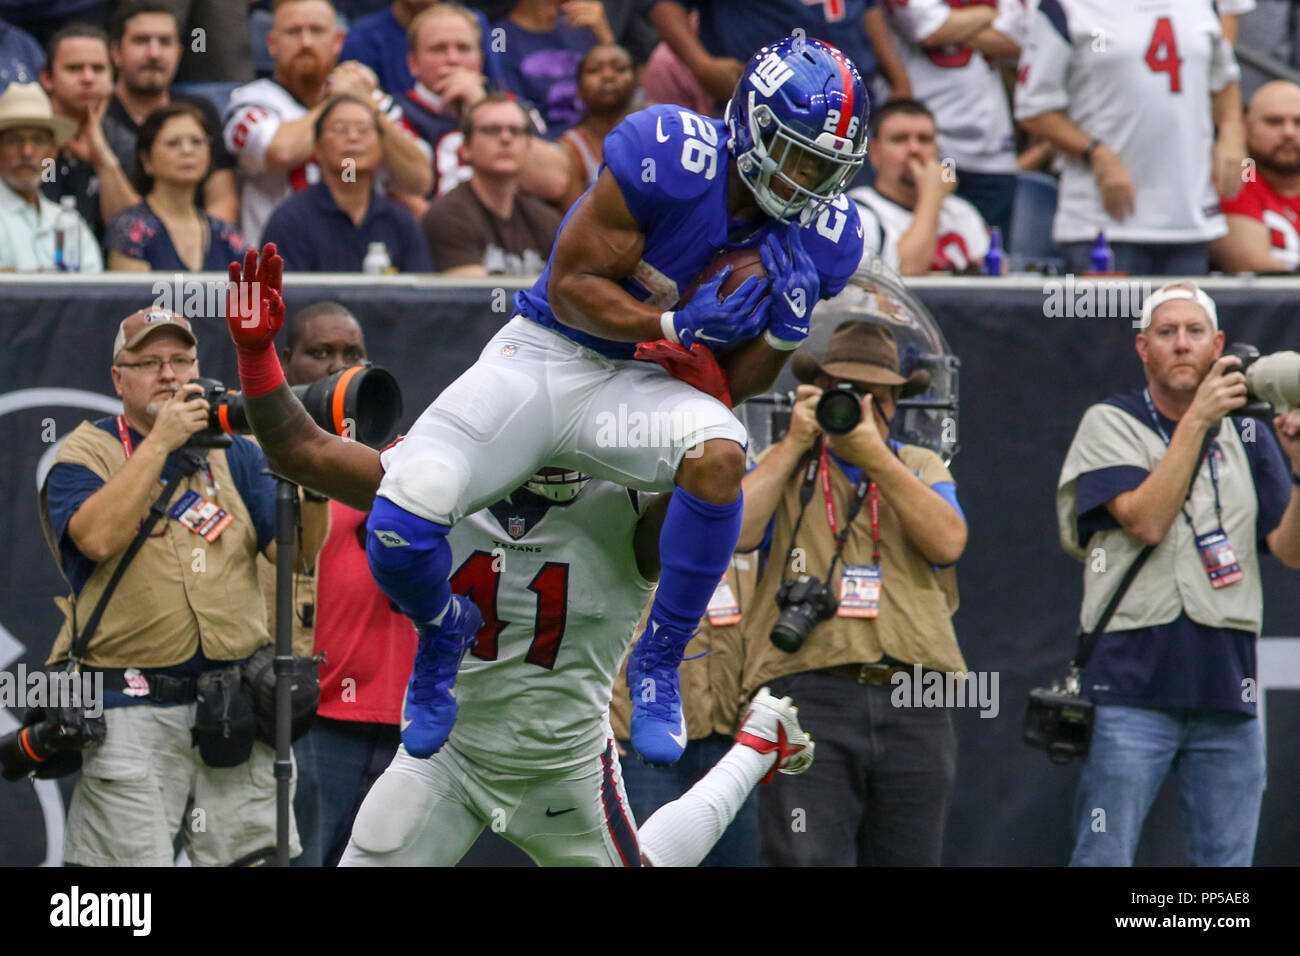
[[671, 165]]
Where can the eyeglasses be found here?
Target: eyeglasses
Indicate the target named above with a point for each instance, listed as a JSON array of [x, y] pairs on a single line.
[[343, 129], [179, 363], [16, 139], [496, 129]]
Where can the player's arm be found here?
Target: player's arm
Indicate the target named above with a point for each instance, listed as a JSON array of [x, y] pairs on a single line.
[[1245, 248]]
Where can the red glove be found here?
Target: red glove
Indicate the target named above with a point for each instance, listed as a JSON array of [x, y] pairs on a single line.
[[254, 314], [697, 367]]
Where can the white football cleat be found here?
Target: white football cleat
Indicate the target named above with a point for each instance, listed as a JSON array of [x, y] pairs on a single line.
[[771, 725]]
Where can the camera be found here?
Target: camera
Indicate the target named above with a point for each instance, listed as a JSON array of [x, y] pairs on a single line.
[[49, 743], [804, 602], [362, 403], [839, 410], [1059, 720], [1272, 381]]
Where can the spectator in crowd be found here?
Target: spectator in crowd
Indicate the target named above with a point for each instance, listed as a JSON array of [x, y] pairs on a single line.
[[168, 230], [329, 227], [487, 226], [1135, 120], [1264, 218], [730, 33], [947, 52], [445, 57], [1169, 468], [218, 47], [381, 41], [269, 123], [170, 624], [879, 790], [21, 57], [78, 79], [712, 705], [910, 217], [666, 79], [369, 648], [606, 86], [30, 137], [544, 42], [144, 43]]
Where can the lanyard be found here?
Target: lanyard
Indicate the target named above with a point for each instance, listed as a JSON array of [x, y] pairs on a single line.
[[125, 435], [1214, 468], [866, 489]]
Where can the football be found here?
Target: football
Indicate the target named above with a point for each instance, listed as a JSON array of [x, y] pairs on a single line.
[[744, 263]]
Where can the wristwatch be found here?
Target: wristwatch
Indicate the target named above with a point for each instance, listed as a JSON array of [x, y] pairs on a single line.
[[1087, 151]]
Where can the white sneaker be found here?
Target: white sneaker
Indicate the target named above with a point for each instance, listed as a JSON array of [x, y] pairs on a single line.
[[771, 725]]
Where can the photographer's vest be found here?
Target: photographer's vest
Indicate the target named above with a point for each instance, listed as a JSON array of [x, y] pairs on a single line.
[[174, 596], [1174, 578], [916, 605]]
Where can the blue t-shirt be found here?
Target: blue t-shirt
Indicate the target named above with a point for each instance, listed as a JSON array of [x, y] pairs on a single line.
[[671, 166], [379, 41], [137, 232], [313, 234], [739, 30], [542, 68], [1181, 664]]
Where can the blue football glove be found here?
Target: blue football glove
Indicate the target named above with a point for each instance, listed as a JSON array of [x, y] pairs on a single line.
[[715, 322], [795, 288]]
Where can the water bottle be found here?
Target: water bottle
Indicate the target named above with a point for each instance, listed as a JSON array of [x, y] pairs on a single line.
[[1102, 259], [377, 261], [993, 260], [67, 236]]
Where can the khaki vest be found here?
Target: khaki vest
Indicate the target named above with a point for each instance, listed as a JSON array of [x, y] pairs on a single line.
[[710, 685], [917, 602], [172, 598], [1173, 578]]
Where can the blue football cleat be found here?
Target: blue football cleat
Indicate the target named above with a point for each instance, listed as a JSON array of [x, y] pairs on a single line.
[[658, 724], [429, 710]]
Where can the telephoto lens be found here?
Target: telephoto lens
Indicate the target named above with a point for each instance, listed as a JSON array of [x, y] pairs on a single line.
[[839, 410]]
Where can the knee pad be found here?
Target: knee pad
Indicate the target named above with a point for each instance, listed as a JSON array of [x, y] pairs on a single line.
[[410, 559]]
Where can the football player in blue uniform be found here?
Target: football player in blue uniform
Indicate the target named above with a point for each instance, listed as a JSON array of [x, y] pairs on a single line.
[[559, 386]]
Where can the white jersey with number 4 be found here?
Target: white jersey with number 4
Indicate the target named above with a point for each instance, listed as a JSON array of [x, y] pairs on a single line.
[[1136, 75], [961, 88], [561, 595]]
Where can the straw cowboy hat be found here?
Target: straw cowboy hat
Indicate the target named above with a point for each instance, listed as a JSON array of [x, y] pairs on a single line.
[[25, 104]]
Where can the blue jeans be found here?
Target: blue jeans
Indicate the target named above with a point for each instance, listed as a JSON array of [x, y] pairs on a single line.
[[649, 788], [1143, 258], [350, 756], [993, 194], [1218, 758]]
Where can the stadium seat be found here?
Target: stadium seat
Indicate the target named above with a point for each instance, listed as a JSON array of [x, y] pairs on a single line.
[[1030, 242], [218, 93]]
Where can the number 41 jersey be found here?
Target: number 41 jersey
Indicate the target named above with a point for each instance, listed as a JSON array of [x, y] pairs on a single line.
[[671, 167], [561, 594]]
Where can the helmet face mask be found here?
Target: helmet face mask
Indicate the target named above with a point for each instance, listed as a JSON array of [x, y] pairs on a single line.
[[557, 485], [798, 127]]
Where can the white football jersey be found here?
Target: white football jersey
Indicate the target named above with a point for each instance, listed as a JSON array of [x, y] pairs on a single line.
[[963, 237], [958, 84], [1138, 77], [561, 596]]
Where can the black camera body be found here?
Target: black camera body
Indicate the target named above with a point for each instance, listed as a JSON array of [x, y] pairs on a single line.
[[839, 410], [1059, 720], [804, 602], [49, 743]]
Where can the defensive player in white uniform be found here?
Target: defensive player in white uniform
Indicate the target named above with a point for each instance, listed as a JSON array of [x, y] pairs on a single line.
[[947, 50], [1132, 94], [560, 571]]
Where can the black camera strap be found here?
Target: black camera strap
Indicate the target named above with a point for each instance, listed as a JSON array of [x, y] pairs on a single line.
[[180, 466], [1088, 642]]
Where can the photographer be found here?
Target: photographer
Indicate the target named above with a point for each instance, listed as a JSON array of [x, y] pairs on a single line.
[[183, 615], [874, 525], [1174, 675]]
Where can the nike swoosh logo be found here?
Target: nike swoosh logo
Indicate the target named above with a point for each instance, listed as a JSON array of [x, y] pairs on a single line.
[[659, 130], [680, 738], [557, 813]]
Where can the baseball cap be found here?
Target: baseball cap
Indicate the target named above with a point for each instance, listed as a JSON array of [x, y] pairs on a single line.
[[138, 326], [1180, 289]]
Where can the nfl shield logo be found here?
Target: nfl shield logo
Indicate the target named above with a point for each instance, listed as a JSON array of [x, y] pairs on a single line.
[[515, 527]]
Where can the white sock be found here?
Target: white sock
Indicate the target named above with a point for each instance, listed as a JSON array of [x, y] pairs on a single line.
[[683, 832]]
